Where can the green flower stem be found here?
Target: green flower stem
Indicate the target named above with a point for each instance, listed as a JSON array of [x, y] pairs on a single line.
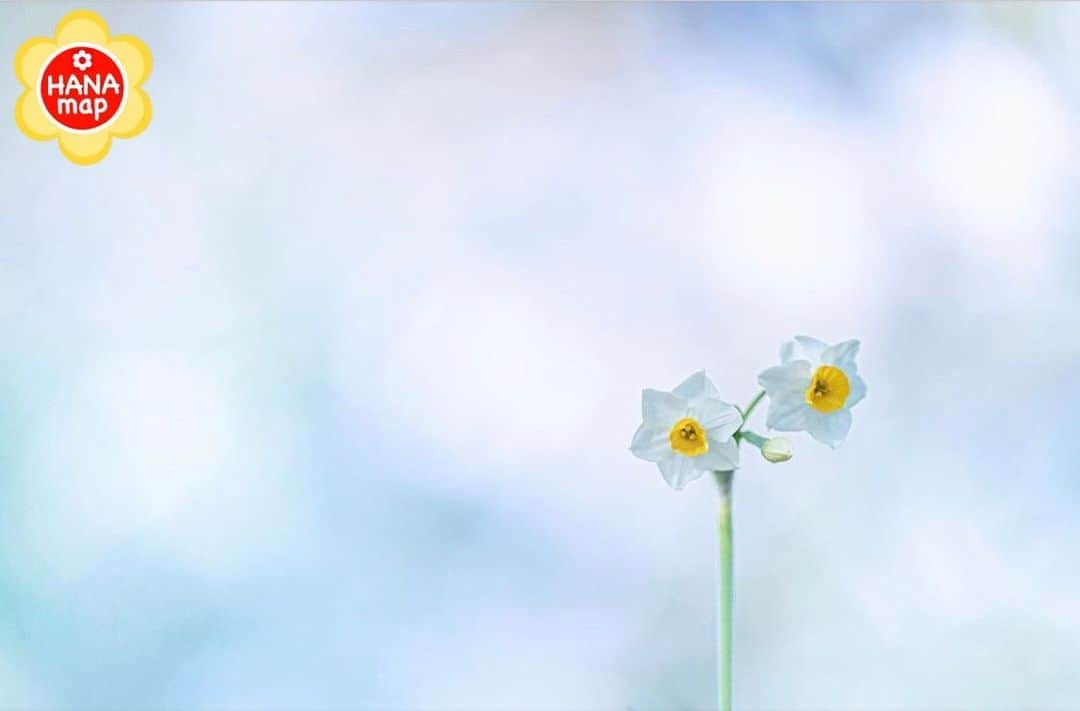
[[725, 593], [752, 437], [750, 408], [725, 590]]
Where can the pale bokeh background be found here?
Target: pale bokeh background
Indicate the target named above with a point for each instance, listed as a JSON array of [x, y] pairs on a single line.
[[318, 393]]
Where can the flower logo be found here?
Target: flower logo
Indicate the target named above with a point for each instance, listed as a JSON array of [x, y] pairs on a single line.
[[82, 60], [83, 87]]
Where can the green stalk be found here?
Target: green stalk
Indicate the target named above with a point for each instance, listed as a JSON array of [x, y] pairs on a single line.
[[725, 589], [750, 408], [725, 593], [752, 437]]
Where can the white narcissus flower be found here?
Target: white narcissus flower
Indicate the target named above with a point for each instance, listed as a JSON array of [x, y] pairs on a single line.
[[688, 431], [814, 389]]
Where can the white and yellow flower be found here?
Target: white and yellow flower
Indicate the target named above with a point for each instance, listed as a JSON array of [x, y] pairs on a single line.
[[814, 389], [688, 431]]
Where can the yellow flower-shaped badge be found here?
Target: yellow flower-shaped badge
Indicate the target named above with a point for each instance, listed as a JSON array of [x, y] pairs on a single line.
[[83, 87]]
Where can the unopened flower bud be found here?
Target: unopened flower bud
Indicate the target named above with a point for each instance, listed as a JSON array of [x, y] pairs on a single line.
[[776, 449]]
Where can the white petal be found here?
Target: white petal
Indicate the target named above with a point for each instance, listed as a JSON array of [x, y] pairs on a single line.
[[679, 471], [719, 418], [793, 376], [842, 355], [802, 348], [787, 411], [831, 428], [722, 456], [858, 391], [651, 443], [661, 409], [696, 387]]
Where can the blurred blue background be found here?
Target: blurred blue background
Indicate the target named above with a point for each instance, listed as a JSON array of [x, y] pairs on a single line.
[[318, 394]]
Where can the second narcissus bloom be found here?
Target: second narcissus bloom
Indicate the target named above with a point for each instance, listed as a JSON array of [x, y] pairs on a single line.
[[814, 389], [688, 431]]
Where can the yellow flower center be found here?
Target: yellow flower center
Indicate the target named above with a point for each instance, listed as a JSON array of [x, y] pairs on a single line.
[[688, 437], [829, 389]]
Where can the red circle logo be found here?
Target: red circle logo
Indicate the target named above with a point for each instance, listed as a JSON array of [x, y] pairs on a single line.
[[82, 87]]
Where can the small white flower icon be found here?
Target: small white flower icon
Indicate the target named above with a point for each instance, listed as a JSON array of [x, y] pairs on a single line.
[[82, 60]]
